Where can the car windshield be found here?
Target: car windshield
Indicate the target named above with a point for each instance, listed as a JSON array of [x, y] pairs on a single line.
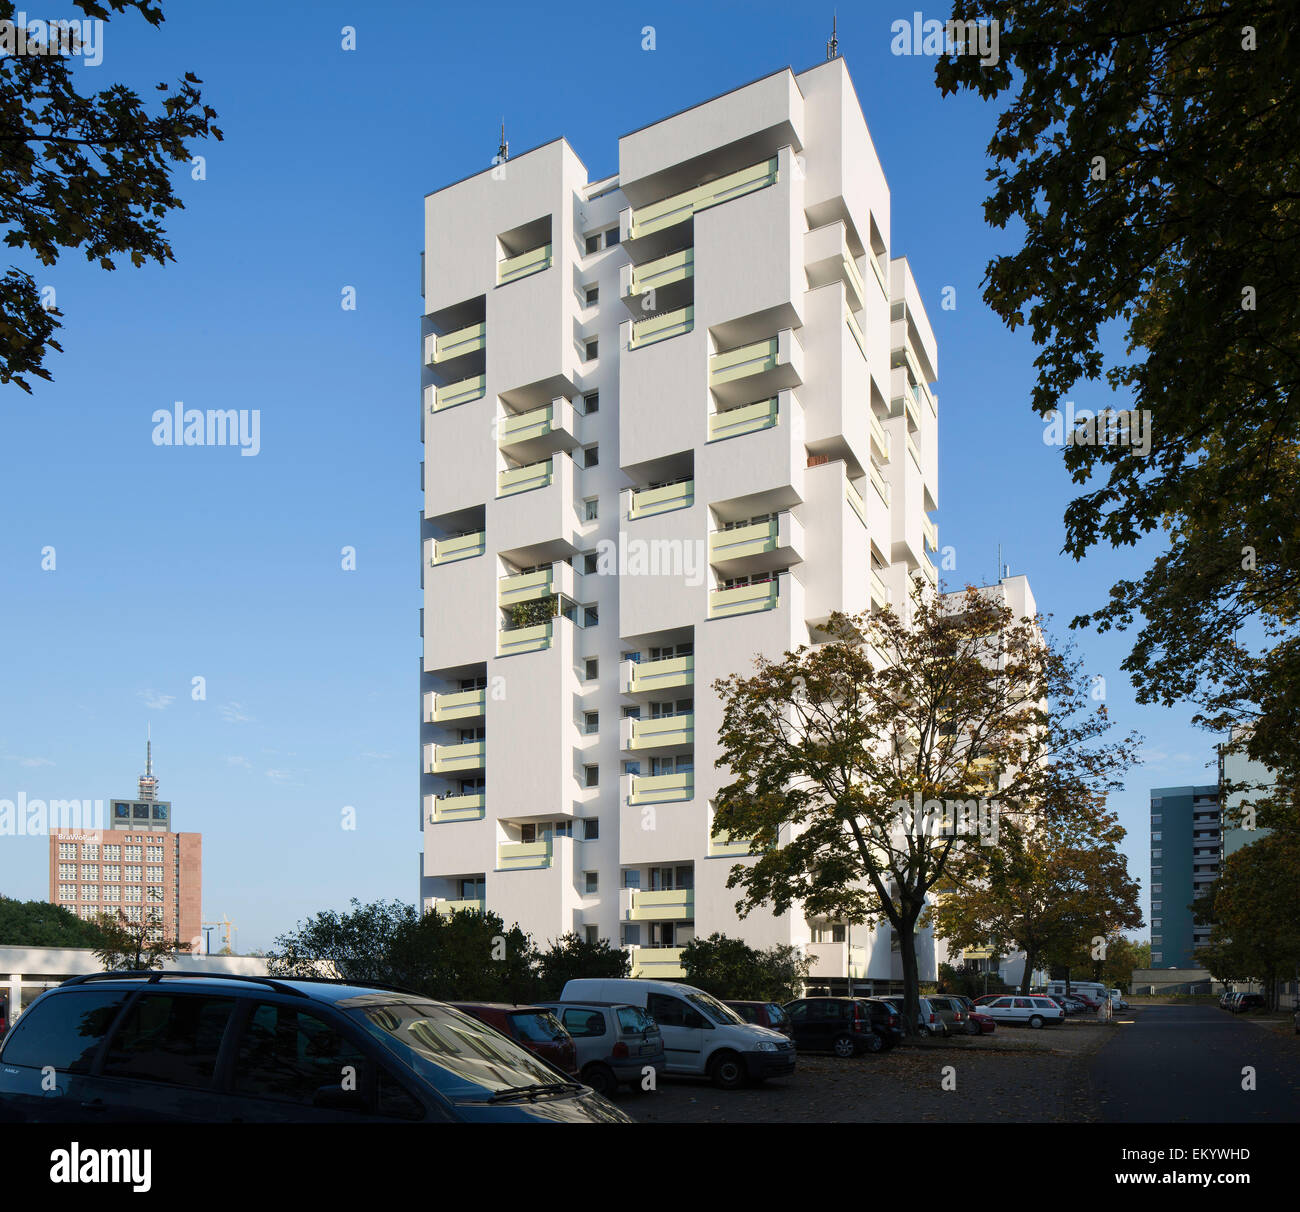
[[710, 1007], [538, 1026], [775, 1013], [437, 1040]]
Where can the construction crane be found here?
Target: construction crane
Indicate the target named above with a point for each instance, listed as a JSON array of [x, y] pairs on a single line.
[[227, 928]]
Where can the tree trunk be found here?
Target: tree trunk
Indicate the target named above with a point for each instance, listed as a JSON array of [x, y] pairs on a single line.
[[1031, 958], [911, 978]]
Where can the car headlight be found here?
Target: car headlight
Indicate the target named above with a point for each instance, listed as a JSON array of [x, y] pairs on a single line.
[[767, 1046]]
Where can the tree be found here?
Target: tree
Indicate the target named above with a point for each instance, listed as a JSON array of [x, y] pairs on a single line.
[[730, 969], [1051, 889], [356, 945], [40, 924], [863, 765], [92, 173], [134, 946], [1146, 153], [571, 957]]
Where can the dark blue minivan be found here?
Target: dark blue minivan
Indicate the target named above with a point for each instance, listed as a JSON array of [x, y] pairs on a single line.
[[187, 1047]]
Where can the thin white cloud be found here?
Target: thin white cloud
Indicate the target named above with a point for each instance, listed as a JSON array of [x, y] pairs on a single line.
[[238, 760], [278, 776], [233, 713], [156, 701]]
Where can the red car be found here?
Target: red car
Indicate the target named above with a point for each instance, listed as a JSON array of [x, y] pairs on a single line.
[[533, 1027], [986, 1025]]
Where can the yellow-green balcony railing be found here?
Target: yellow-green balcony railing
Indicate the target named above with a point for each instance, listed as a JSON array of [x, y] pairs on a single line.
[[664, 731], [912, 450], [461, 705], [668, 674], [662, 326], [530, 262], [878, 483], [447, 908], [525, 587], [526, 426], [467, 340], [854, 498], [524, 639], [742, 541], [854, 276], [680, 207], [750, 359], [661, 788], [929, 571], [723, 845], [879, 591], [674, 905], [748, 418], [460, 547], [469, 755], [879, 437], [851, 322], [879, 275], [660, 500], [931, 533], [522, 479], [513, 856], [460, 392], [458, 808], [649, 963], [744, 599], [655, 275]]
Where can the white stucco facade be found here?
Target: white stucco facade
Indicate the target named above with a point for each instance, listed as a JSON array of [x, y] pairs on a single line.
[[750, 443]]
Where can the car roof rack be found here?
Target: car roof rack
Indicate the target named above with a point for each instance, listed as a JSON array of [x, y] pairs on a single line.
[[153, 977]]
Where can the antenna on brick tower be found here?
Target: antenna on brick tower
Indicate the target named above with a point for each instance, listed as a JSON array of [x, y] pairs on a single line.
[[503, 150], [833, 46], [148, 784]]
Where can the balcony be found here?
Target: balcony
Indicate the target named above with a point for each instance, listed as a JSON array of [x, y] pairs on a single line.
[[930, 573], [931, 533], [651, 501], [459, 547], [518, 856], [828, 257], [460, 392], [879, 591], [878, 483], [448, 759], [758, 369], [744, 599], [522, 479], [723, 845], [447, 908], [912, 450], [531, 262], [662, 326], [837, 960], [661, 732], [539, 431], [879, 438], [530, 586], [640, 677], [748, 418], [879, 275], [854, 498], [742, 548], [679, 207], [524, 639], [674, 905], [856, 329], [651, 963], [462, 705], [662, 274], [452, 345], [661, 788], [747, 360], [458, 808]]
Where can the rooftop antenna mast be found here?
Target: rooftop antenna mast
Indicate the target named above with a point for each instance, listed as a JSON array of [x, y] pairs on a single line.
[[833, 46], [148, 784], [503, 150]]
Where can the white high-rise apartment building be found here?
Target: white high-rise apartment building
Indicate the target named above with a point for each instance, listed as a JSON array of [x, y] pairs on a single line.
[[689, 405]]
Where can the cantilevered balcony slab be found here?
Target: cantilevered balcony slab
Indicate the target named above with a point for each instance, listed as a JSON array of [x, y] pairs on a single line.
[[757, 370]]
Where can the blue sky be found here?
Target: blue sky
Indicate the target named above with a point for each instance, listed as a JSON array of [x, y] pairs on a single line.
[[177, 563]]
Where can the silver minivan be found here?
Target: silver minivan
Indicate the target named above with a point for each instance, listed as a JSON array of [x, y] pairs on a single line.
[[617, 1042]]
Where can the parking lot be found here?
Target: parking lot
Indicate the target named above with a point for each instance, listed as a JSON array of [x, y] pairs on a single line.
[[1016, 1074]]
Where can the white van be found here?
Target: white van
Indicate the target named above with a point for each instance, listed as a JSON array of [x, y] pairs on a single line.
[[1094, 989], [702, 1037]]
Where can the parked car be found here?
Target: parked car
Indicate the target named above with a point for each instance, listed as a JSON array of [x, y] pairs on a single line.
[[1033, 1010], [185, 1047], [1226, 997], [764, 1014], [845, 1026], [981, 1024], [534, 1027], [702, 1037], [928, 1019], [1249, 1001], [952, 1011], [1069, 1003], [1117, 1001], [615, 1043]]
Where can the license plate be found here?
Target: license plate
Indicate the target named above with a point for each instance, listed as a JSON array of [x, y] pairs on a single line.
[[647, 1049]]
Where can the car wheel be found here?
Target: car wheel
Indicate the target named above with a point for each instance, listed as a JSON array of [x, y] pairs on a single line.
[[1035, 1020], [844, 1047], [874, 1043], [601, 1079], [727, 1071]]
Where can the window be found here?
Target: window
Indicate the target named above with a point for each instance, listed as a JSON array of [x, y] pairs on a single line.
[[134, 854], [631, 934], [590, 882], [1156, 906], [590, 563], [1155, 837], [1155, 818], [67, 871], [90, 871], [591, 509], [170, 1038], [611, 237], [632, 878], [1157, 888], [1156, 923], [632, 767], [591, 669], [90, 892], [591, 776], [591, 402], [67, 850], [592, 243], [1155, 854], [590, 616], [89, 852], [591, 296], [65, 1032], [133, 873], [112, 894], [579, 1023], [134, 893], [590, 349], [591, 723], [153, 874], [292, 1056], [591, 456], [113, 852], [1156, 940], [591, 829]]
